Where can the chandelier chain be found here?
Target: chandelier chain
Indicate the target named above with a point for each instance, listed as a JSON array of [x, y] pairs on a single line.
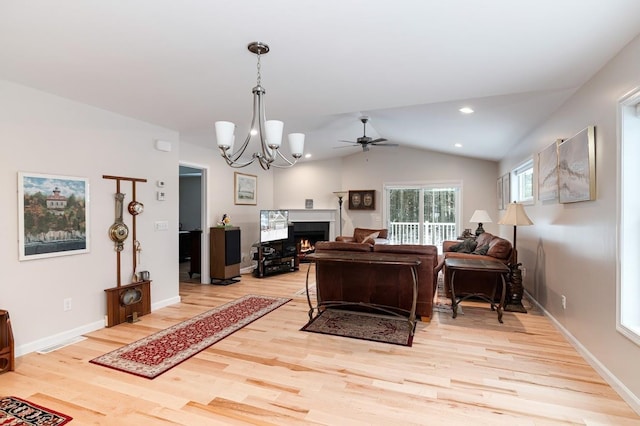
[[258, 67]]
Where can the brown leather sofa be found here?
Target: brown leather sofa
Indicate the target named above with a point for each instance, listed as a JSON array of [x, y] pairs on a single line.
[[361, 234], [468, 282], [379, 284]]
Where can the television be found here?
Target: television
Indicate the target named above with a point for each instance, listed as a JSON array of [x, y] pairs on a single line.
[[274, 225]]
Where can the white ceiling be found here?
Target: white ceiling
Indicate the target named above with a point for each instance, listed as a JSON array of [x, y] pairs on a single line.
[[408, 64]]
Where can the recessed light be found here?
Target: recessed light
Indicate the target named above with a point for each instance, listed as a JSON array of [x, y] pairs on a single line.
[[466, 110], [307, 156], [458, 145], [253, 132]]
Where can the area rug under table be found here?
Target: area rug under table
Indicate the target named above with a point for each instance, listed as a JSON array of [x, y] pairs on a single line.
[[153, 355], [362, 325], [19, 412]]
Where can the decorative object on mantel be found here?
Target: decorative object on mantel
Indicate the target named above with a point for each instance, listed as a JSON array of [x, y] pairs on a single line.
[[480, 217], [362, 200], [516, 216], [577, 167], [308, 203], [269, 131], [340, 195]]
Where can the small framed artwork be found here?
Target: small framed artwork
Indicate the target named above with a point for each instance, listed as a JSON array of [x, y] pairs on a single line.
[[308, 203], [53, 215], [499, 193], [577, 167], [548, 172], [362, 200], [245, 189], [506, 190]]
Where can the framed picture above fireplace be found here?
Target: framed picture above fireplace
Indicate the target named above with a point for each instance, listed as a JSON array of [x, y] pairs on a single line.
[[362, 200]]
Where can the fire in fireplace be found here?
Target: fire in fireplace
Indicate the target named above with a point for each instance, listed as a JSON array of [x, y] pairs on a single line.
[[306, 235]]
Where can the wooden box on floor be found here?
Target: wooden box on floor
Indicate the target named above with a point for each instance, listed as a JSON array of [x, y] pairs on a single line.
[[117, 312]]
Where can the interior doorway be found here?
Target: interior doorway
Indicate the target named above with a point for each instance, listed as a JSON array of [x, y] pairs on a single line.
[[193, 252]]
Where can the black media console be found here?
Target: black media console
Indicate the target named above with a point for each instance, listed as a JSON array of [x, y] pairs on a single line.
[[276, 256]]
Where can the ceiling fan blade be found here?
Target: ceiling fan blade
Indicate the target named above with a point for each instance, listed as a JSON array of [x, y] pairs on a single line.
[[385, 144], [378, 140], [345, 146], [351, 142]]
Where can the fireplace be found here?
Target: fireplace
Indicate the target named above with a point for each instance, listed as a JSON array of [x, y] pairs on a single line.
[[306, 234]]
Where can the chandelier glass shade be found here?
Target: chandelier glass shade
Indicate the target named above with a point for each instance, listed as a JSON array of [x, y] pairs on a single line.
[[268, 131]]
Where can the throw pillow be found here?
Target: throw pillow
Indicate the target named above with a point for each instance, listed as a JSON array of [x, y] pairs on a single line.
[[466, 246], [481, 250], [371, 238]]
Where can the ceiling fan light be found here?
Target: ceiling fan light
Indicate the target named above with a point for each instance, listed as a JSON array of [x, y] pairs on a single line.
[[224, 134], [273, 129], [296, 144]]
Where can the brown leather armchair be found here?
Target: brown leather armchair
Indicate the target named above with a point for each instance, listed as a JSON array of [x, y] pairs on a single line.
[[361, 234], [468, 282]]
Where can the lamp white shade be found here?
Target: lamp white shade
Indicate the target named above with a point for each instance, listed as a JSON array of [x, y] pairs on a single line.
[[273, 130], [515, 215], [224, 134], [480, 216], [296, 144]]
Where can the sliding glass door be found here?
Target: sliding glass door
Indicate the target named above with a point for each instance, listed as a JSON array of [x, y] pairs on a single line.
[[422, 214]]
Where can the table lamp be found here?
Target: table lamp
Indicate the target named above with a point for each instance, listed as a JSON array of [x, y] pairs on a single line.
[[516, 216], [480, 217]]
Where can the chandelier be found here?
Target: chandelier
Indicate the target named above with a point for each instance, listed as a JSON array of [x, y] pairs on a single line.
[[269, 131]]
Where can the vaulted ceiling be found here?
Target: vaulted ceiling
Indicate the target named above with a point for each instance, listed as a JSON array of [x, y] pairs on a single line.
[[408, 64]]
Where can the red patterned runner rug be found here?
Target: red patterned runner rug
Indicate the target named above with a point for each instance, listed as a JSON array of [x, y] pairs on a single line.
[[19, 412], [153, 355]]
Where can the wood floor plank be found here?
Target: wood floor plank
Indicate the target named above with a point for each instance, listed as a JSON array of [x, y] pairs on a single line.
[[468, 370]]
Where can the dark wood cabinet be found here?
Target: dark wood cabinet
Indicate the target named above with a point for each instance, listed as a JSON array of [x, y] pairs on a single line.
[[224, 251], [195, 243]]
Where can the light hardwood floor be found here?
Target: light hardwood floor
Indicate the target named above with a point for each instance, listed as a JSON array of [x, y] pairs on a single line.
[[471, 370]]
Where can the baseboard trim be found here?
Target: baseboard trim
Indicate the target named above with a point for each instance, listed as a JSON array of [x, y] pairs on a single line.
[[61, 338], [624, 392]]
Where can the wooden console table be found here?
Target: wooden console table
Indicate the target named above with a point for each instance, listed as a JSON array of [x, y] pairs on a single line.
[[392, 259], [482, 266]]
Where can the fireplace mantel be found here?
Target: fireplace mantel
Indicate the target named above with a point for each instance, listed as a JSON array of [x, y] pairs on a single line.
[[315, 215]]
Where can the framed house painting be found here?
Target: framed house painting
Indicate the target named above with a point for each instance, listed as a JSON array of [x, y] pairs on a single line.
[[53, 215], [577, 167], [245, 189], [362, 200], [548, 172]]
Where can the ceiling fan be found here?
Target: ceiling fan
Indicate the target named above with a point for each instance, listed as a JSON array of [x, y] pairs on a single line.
[[365, 140]]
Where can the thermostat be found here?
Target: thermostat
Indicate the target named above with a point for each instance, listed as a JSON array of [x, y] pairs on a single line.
[[161, 195]]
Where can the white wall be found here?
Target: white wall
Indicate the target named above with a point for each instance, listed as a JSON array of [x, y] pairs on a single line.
[[371, 170], [42, 133], [220, 184], [571, 249]]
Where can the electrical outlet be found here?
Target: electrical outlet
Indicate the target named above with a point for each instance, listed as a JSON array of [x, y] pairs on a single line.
[[564, 302], [67, 304]]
